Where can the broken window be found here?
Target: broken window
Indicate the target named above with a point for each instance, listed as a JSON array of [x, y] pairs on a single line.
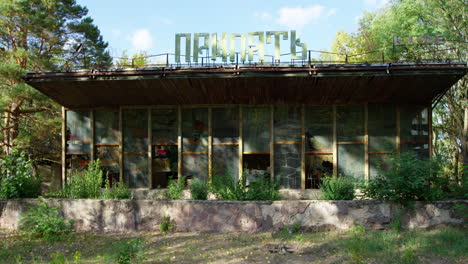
[[106, 139], [414, 130]]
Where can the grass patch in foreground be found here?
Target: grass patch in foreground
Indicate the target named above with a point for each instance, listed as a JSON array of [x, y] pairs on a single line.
[[440, 245]]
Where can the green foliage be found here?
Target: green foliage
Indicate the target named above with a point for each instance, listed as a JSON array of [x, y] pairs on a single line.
[[129, 252], [199, 189], [409, 257], [16, 180], [175, 189], [337, 188], [118, 191], [408, 179], [225, 187], [84, 184], [48, 35], [167, 225], [396, 224], [44, 221], [460, 210], [355, 246]]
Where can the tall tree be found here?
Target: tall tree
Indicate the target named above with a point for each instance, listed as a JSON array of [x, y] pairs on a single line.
[[40, 35], [414, 20]]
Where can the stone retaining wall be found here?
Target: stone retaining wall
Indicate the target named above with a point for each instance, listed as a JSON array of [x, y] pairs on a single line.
[[228, 216]]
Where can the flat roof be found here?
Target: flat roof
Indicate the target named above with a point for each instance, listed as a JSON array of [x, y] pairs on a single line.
[[393, 83]]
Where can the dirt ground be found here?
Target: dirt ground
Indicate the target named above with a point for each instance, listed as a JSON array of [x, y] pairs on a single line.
[[441, 245]]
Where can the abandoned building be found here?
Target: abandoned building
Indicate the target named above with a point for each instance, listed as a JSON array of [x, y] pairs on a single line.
[[291, 123]]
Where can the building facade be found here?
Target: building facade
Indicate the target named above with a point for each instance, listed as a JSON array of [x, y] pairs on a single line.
[[292, 124]]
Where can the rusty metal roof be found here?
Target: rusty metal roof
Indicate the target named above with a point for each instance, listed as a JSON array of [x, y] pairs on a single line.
[[403, 83]]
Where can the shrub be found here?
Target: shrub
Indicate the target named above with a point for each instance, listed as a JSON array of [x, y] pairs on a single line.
[[118, 191], [175, 189], [199, 189], [129, 252], [16, 180], [408, 179], [337, 188], [45, 222], [263, 190], [84, 184], [225, 187], [167, 225]]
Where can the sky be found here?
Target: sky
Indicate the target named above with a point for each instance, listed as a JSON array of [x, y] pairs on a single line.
[[150, 26]]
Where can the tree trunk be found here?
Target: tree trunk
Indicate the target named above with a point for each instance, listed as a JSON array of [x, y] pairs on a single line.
[[11, 125], [464, 143]]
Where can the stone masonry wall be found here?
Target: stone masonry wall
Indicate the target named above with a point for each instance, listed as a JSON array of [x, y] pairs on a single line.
[[230, 216]]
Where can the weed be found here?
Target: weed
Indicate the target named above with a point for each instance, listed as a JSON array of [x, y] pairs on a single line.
[[167, 225], [199, 189], [408, 179], [175, 189], [84, 184], [409, 257], [337, 188], [396, 224], [45, 222], [460, 210], [355, 245], [118, 191], [129, 252], [225, 187], [16, 180]]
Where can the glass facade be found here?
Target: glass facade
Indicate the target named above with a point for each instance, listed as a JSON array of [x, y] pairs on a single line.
[[294, 145]]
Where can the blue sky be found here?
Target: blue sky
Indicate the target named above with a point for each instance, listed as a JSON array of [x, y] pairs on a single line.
[[150, 26]]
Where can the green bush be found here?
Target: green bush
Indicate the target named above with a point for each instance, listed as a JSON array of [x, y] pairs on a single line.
[[225, 187], [44, 221], [118, 191], [175, 189], [16, 180], [337, 188], [167, 225], [408, 179], [129, 252], [199, 189], [84, 184]]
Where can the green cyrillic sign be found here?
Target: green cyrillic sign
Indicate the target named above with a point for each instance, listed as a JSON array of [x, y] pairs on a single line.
[[250, 44]]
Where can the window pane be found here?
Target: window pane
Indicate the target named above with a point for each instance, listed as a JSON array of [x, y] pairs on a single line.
[[77, 162], [351, 161], [287, 124], [378, 162], [319, 128], [106, 126], [421, 150], [195, 129], [256, 166], [78, 131], [225, 125], [136, 170], [317, 167], [256, 129], [165, 160], [226, 160], [135, 130], [164, 125], [414, 125], [109, 157], [350, 123], [195, 166], [382, 128], [288, 165]]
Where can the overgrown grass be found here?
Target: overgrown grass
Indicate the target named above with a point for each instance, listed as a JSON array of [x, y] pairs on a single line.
[[439, 245]]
